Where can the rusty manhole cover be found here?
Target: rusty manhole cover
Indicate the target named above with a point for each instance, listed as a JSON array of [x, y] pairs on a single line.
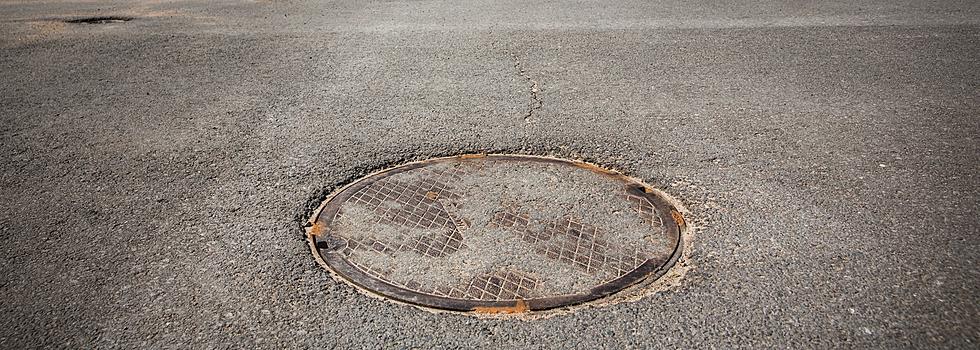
[[496, 233]]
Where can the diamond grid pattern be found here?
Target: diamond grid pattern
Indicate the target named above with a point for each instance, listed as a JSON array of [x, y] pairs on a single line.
[[502, 285], [646, 210], [414, 206], [570, 241], [428, 202]]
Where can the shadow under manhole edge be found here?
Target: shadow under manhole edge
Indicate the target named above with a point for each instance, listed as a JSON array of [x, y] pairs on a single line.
[[98, 20]]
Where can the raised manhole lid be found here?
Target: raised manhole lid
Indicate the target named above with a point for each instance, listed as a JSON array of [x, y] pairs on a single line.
[[496, 233]]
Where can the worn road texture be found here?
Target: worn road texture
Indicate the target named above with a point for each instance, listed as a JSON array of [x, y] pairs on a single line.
[[155, 171]]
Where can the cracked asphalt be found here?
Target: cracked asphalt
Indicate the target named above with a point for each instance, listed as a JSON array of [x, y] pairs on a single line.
[[155, 172]]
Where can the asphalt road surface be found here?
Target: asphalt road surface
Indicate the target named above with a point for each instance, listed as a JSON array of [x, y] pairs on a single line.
[[156, 171]]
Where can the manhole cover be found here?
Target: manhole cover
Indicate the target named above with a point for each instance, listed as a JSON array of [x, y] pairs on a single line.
[[496, 233]]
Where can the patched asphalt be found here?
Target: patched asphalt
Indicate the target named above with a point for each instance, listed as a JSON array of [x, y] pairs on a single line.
[[156, 172]]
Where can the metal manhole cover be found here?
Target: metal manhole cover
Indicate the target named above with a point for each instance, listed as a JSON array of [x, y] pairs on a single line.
[[496, 233]]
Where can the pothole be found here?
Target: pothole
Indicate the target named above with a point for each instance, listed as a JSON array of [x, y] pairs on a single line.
[[99, 20], [497, 233]]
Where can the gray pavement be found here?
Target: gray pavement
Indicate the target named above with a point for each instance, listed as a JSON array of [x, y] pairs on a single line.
[[155, 172]]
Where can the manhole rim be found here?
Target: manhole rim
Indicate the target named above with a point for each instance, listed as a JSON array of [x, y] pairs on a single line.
[[644, 274]]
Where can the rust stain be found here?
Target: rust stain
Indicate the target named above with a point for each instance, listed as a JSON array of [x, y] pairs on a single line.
[[678, 218], [316, 229], [519, 307], [432, 195]]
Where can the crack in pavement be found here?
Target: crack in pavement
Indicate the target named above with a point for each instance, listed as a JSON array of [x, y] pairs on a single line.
[[534, 102]]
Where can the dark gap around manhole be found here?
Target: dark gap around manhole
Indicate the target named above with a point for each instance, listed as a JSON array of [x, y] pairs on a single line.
[[99, 20]]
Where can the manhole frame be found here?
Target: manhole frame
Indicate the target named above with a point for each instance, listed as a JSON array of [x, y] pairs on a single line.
[[647, 272]]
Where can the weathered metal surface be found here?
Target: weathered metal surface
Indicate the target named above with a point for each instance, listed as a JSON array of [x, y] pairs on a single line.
[[496, 233]]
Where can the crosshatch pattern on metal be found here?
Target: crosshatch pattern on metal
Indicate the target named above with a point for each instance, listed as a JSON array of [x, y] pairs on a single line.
[[429, 203]]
